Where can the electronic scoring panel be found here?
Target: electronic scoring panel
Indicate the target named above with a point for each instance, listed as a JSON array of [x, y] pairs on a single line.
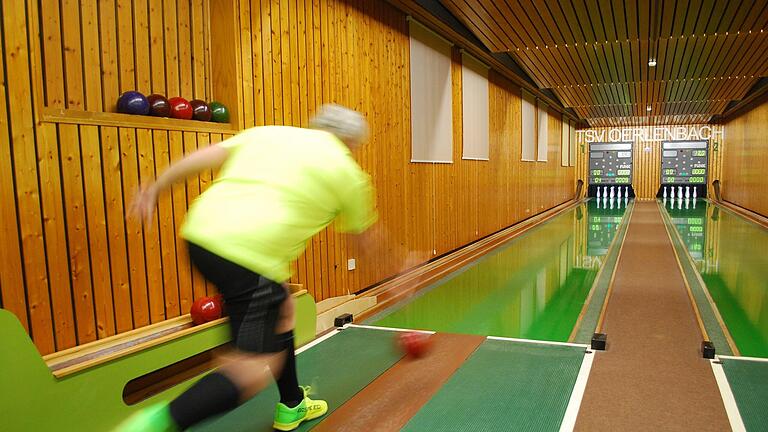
[[610, 164], [684, 162]]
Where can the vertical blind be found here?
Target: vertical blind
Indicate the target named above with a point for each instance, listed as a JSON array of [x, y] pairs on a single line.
[[543, 135], [431, 113], [474, 91], [528, 152]]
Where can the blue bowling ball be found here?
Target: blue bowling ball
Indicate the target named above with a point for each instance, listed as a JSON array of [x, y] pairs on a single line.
[[133, 102]]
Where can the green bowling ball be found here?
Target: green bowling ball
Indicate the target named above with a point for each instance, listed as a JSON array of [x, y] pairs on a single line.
[[219, 112]]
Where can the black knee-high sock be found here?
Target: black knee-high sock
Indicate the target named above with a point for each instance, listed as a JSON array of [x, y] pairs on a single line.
[[213, 394], [288, 383]]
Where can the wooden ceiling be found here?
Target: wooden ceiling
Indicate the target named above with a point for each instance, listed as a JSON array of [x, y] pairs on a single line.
[[594, 54]]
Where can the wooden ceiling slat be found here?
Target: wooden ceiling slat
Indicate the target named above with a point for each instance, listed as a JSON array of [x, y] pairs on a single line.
[[740, 18], [486, 28], [542, 29], [693, 13], [569, 14], [708, 14], [587, 28], [611, 78], [726, 22], [643, 18]]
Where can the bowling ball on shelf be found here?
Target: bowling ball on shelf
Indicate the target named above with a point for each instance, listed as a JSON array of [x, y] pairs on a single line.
[[206, 309], [180, 108], [219, 112], [414, 344], [200, 110], [159, 105], [132, 102]]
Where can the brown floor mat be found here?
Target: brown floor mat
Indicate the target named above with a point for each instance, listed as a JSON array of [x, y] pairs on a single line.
[[652, 376]]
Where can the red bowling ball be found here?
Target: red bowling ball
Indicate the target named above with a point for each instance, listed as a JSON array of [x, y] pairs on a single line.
[[180, 108], [200, 110], [206, 309], [414, 344], [159, 105]]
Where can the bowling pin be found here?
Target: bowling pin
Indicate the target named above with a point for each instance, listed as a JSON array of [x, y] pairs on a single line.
[[679, 192], [664, 200], [687, 192], [686, 204], [664, 194], [619, 192], [672, 190], [694, 193], [598, 200], [612, 194], [605, 191], [598, 192], [611, 202], [626, 192], [694, 203]]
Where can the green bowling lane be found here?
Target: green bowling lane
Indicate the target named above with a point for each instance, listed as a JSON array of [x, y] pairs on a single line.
[[729, 253], [533, 287]]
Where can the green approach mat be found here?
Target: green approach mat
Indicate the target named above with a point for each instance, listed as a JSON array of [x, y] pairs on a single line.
[[748, 381], [336, 369], [505, 386]]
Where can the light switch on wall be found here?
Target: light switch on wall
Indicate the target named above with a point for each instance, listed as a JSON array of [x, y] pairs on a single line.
[[351, 264]]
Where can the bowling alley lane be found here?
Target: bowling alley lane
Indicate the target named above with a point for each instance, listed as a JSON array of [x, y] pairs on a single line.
[[533, 287], [728, 251]]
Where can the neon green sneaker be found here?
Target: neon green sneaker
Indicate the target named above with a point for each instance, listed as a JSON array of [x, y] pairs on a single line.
[[288, 419], [154, 418]]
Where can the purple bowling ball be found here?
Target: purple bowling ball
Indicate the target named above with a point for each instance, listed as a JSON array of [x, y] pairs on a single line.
[[133, 102]]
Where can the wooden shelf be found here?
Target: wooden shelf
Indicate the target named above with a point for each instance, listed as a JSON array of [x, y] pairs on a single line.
[[58, 115]]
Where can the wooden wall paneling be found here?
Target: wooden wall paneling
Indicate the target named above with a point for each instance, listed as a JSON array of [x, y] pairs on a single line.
[[143, 46], [743, 159], [133, 229], [167, 227], [53, 58], [12, 292], [226, 75], [95, 212], [193, 142], [199, 50], [176, 141], [73, 61], [157, 49], [171, 37], [248, 53], [150, 235], [110, 75], [55, 226], [185, 55], [115, 219], [81, 294], [125, 45], [91, 60]]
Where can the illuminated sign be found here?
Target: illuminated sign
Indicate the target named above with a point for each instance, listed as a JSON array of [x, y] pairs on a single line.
[[652, 133]]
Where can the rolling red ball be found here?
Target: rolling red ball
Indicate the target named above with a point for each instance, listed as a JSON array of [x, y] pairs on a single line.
[[200, 110], [180, 108], [414, 344], [206, 309]]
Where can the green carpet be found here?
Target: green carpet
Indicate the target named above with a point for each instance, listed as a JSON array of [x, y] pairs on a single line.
[[749, 384], [505, 386], [336, 369]]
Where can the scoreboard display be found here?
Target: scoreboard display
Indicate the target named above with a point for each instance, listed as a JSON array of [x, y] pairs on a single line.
[[684, 162], [610, 164]]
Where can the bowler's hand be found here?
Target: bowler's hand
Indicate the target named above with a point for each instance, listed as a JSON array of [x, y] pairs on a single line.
[[145, 202]]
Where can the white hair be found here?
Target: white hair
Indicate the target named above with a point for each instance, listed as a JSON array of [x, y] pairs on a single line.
[[346, 124]]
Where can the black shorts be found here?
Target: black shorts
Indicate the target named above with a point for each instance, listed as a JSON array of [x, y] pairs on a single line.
[[252, 301]]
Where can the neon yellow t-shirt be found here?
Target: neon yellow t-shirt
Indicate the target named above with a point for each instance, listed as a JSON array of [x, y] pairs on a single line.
[[278, 187]]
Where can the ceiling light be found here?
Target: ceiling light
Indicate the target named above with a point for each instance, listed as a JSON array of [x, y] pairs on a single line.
[[652, 62], [648, 108]]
